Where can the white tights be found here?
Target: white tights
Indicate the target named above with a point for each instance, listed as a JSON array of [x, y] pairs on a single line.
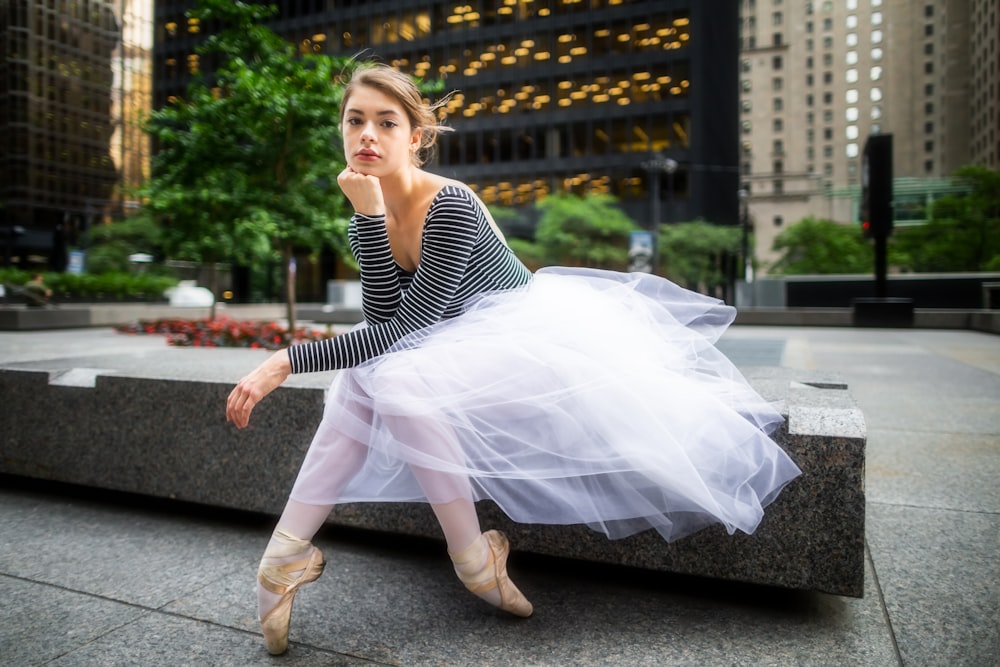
[[299, 522]]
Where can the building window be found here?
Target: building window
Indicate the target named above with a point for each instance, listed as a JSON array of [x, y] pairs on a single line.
[[928, 10], [778, 125], [929, 146], [779, 166], [779, 187], [776, 83], [778, 221], [776, 62], [929, 127], [929, 48], [928, 67], [928, 108], [776, 18], [778, 104]]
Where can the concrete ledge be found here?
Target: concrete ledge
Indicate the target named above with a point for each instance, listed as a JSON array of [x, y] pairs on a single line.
[[21, 318], [923, 318], [169, 439]]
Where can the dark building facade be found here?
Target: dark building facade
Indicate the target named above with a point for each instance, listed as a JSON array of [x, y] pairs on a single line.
[[549, 95], [72, 76]]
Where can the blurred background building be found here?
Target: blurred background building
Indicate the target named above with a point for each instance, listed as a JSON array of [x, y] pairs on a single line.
[[817, 77], [674, 106], [550, 95], [74, 86]]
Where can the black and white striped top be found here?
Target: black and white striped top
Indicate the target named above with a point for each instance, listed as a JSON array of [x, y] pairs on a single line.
[[461, 257]]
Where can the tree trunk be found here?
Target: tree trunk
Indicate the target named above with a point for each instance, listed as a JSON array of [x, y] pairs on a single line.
[[213, 285], [289, 260]]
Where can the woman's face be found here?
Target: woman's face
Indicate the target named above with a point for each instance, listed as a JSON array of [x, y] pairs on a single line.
[[378, 139]]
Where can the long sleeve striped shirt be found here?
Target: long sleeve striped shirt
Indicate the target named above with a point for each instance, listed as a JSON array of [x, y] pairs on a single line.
[[460, 257]]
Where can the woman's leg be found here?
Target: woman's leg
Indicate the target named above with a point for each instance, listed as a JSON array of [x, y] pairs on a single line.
[[480, 560], [333, 460]]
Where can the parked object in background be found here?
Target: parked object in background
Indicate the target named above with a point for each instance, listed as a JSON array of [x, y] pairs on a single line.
[[187, 294]]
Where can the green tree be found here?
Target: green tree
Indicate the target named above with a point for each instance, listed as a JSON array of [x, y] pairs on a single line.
[[583, 231], [695, 254], [247, 162], [963, 233], [823, 247], [109, 246]]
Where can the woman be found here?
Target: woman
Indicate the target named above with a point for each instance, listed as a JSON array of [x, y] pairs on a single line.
[[568, 396]]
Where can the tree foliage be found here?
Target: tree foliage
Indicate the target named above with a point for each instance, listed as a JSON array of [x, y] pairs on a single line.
[[583, 231], [822, 247], [695, 254], [247, 161], [963, 233], [109, 246]]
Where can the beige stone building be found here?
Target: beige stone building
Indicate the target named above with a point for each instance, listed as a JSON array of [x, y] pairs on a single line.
[[818, 77]]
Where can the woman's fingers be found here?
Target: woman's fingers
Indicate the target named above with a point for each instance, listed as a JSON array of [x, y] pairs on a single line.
[[249, 391]]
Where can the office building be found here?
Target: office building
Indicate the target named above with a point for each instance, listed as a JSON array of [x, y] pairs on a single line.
[[74, 82], [550, 95], [819, 76]]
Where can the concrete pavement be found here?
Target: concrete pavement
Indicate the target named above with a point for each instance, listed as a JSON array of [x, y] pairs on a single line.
[[89, 579]]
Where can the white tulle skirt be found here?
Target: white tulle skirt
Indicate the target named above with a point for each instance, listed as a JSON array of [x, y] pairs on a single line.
[[587, 397]]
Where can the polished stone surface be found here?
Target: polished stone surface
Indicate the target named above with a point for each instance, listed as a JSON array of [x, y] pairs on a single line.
[[177, 445]]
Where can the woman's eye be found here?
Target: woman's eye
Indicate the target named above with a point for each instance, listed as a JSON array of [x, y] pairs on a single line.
[[389, 123]]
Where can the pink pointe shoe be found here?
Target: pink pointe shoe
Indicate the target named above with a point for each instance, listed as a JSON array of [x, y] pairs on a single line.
[[281, 580], [493, 573]]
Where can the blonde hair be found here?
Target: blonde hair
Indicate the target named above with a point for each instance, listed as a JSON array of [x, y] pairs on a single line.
[[403, 89]]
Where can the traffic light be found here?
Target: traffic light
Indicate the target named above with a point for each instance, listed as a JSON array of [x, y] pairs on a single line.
[[876, 187]]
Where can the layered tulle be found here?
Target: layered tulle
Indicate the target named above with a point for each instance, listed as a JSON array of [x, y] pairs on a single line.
[[587, 397]]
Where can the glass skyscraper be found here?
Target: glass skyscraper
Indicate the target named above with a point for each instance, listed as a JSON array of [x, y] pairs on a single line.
[[549, 95]]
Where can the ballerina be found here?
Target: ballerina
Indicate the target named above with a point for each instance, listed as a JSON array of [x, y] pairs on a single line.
[[565, 396]]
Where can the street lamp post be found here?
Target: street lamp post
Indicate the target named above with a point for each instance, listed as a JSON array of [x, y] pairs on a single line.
[[656, 166], [744, 196]]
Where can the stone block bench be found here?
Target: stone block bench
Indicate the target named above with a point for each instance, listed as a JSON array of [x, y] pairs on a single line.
[[168, 438]]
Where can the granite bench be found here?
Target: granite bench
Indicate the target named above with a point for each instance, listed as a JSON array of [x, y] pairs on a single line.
[[167, 438]]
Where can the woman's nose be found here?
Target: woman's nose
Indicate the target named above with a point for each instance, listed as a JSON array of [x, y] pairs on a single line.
[[368, 131]]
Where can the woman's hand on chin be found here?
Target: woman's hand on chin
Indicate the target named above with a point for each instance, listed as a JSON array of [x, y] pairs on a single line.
[[363, 190]]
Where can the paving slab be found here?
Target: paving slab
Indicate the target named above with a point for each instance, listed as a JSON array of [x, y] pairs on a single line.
[[940, 577], [931, 577]]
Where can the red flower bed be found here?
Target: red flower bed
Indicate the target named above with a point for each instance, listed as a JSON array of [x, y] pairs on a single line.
[[223, 332]]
